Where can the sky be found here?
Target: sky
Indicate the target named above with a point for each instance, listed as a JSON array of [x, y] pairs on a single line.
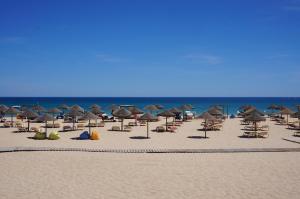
[[155, 48]]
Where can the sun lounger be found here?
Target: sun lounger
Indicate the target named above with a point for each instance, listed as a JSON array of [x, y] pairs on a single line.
[[263, 134], [249, 134], [67, 128], [142, 123], [101, 124], [115, 128], [160, 129], [127, 128], [297, 133], [172, 129], [34, 129], [80, 126], [7, 125], [132, 124], [22, 129]]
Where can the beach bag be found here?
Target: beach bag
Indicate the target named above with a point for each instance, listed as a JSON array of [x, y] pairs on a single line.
[[54, 135], [95, 135], [40, 136], [84, 136]]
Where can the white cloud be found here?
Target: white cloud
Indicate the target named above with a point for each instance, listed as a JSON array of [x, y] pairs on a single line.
[[204, 58]]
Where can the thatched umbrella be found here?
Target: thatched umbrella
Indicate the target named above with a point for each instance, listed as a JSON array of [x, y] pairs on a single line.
[[77, 108], [206, 117], [166, 114], [297, 114], [29, 114], [95, 106], [135, 111], [272, 107], [151, 108], [54, 111], [148, 117], [251, 110], [215, 112], [3, 108], [121, 113], [74, 114], [12, 111], [38, 109], [64, 107], [287, 112], [159, 107], [184, 108], [255, 117], [97, 111], [45, 118], [113, 107], [176, 111], [90, 116]]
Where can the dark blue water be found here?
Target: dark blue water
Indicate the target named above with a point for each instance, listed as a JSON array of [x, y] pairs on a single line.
[[200, 103]]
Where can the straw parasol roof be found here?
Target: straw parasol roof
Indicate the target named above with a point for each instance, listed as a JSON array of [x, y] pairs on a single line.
[[148, 117], [53, 110], [95, 106], [96, 110], [175, 110], [214, 111], [255, 117], [90, 116], [151, 108], [3, 108], [251, 110], [64, 107], [113, 107], [272, 107], [74, 113], [207, 116], [77, 108], [159, 106], [38, 108], [134, 110], [45, 118], [29, 114], [185, 107], [286, 111], [121, 113], [12, 111], [166, 113]]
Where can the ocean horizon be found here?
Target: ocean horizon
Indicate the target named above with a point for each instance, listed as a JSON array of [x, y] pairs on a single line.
[[200, 104]]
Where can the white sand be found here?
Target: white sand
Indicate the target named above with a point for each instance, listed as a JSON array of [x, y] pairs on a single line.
[[105, 175], [228, 137]]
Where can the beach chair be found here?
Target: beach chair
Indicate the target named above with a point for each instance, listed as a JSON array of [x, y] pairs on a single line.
[[142, 123], [7, 124], [115, 128], [68, 128], [172, 129], [297, 133], [160, 129], [34, 129], [127, 128], [22, 129], [101, 124], [263, 134], [249, 134], [80, 126]]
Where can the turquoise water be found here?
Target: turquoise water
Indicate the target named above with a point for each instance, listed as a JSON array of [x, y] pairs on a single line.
[[200, 103]]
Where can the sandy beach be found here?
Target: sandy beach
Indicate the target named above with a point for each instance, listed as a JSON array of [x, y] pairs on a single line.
[[102, 175], [111, 175]]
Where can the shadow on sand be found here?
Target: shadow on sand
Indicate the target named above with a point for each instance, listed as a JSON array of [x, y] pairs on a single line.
[[139, 137]]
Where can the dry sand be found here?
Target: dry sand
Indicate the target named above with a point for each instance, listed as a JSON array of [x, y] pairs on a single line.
[[110, 175], [186, 137], [102, 175]]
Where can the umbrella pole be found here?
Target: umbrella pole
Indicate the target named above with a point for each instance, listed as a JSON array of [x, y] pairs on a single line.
[[28, 125], [46, 128], [90, 127], [147, 129], [287, 119], [122, 124], [12, 120], [166, 123], [205, 127], [255, 128], [73, 124], [53, 119]]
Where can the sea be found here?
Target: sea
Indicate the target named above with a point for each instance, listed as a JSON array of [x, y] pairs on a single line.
[[200, 104]]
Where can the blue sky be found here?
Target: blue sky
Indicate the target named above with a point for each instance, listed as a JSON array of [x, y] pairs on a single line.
[[150, 48]]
